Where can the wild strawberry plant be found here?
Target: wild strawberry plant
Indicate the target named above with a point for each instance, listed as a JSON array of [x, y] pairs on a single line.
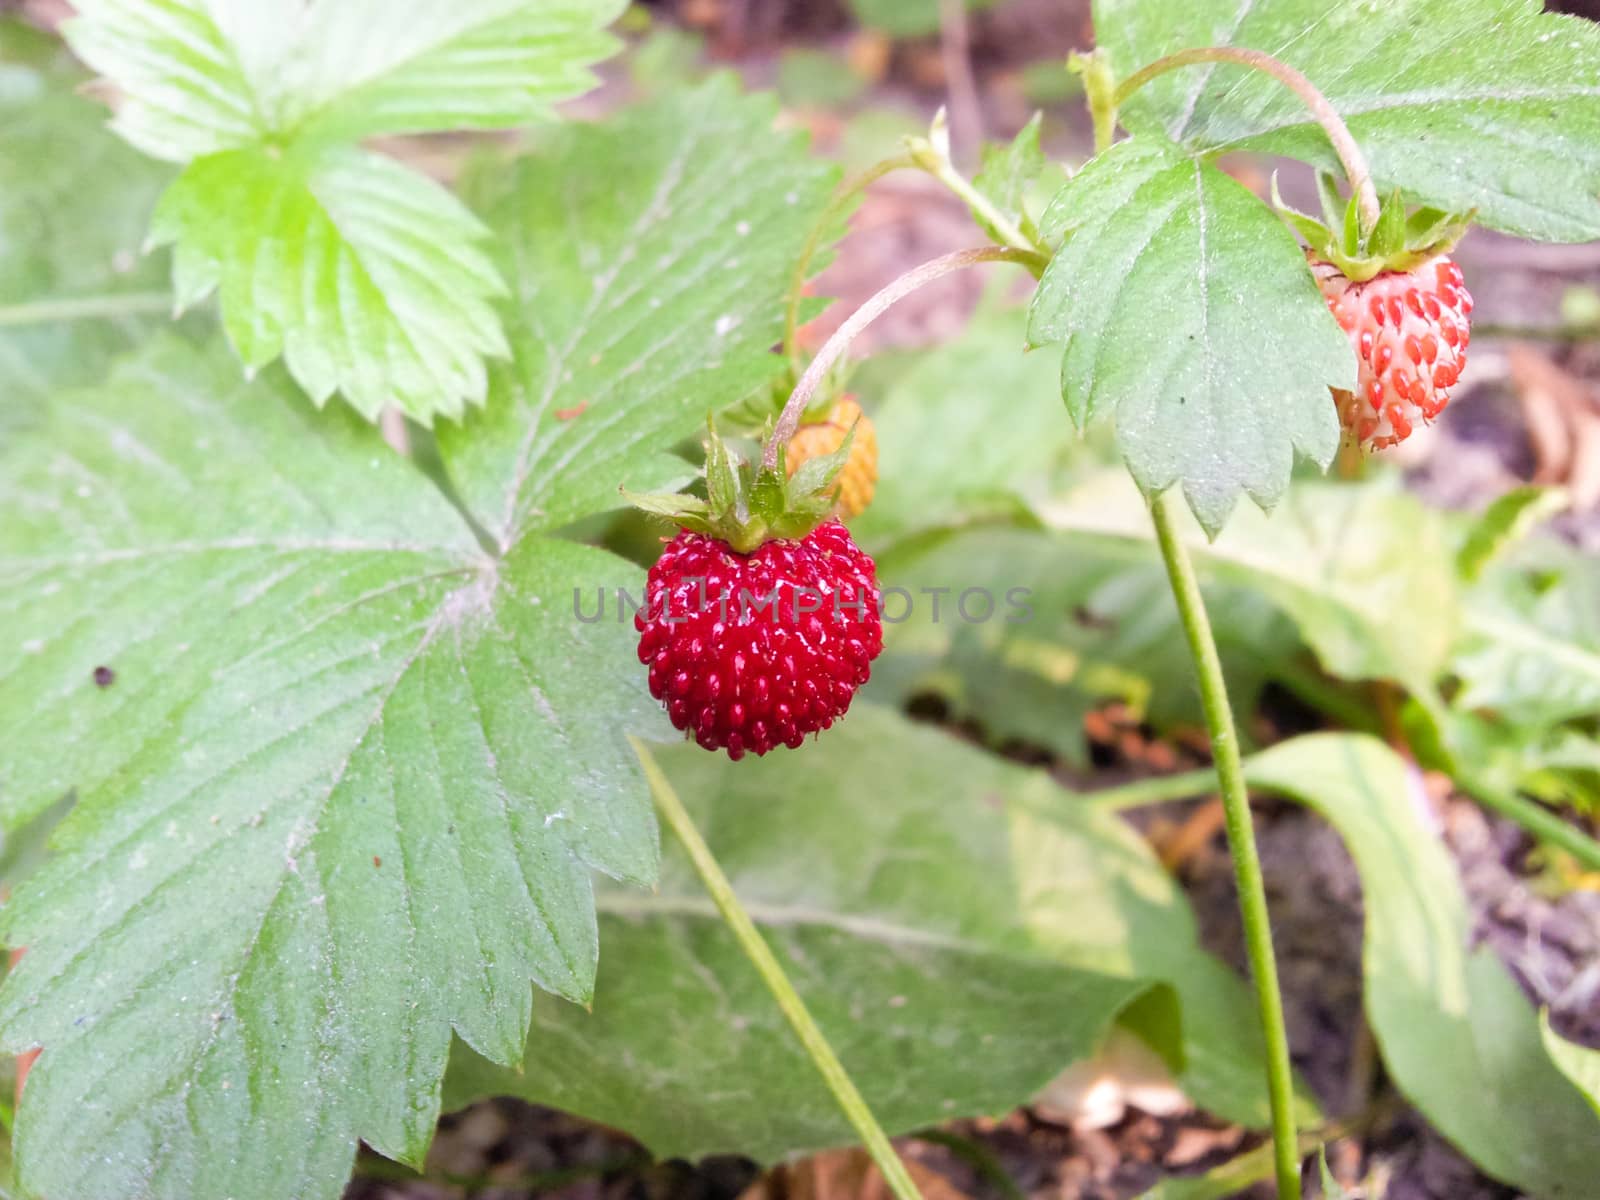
[[344, 732]]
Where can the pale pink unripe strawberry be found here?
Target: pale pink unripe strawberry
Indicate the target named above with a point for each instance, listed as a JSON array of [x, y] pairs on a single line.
[[1410, 330]]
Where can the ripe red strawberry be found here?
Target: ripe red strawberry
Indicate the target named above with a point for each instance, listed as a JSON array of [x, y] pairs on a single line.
[[752, 651], [1410, 329]]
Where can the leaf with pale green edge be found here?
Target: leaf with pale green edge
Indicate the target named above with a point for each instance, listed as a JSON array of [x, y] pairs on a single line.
[[1024, 632], [1331, 1188], [1366, 573], [961, 927], [1190, 320], [201, 76], [1458, 1037], [367, 278], [1486, 104], [74, 290], [1232, 1178], [1505, 524], [906, 18], [1010, 174], [1580, 1064], [1530, 644], [650, 257], [343, 794]]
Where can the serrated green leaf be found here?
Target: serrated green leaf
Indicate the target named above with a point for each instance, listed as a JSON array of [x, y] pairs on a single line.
[[1459, 1038], [1530, 644], [1580, 1064], [201, 76], [1492, 104], [952, 919], [74, 289], [342, 794], [1190, 320], [368, 279], [1010, 172], [650, 257]]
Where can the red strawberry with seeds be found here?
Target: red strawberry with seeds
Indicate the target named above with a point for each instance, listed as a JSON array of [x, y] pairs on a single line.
[[1399, 298], [760, 618], [752, 651], [1410, 330]]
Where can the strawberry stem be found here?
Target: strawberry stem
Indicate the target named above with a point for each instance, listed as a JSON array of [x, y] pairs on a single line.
[[1241, 842], [842, 197], [816, 1044], [1344, 145], [835, 346]]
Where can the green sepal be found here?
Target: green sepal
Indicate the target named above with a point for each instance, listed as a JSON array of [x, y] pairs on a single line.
[[816, 475], [1398, 242], [722, 479], [748, 503], [1389, 234]]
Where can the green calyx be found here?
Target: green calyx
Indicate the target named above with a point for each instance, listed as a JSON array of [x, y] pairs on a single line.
[[1400, 241], [748, 503]]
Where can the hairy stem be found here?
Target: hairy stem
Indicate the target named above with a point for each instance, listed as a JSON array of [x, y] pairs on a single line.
[[1241, 841], [842, 197], [836, 345], [772, 974], [1344, 145], [932, 160]]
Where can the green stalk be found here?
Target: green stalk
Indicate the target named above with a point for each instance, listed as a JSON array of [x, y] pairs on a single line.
[[1241, 841], [772, 974]]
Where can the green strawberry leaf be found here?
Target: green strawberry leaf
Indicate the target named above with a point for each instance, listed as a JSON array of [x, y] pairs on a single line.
[[1530, 644], [267, 909], [1505, 524], [200, 76], [1190, 320], [380, 289], [1459, 1038], [1010, 173], [1381, 605], [74, 290], [369, 279], [650, 257], [962, 929], [288, 876], [1035, 629], [1492, 104]]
